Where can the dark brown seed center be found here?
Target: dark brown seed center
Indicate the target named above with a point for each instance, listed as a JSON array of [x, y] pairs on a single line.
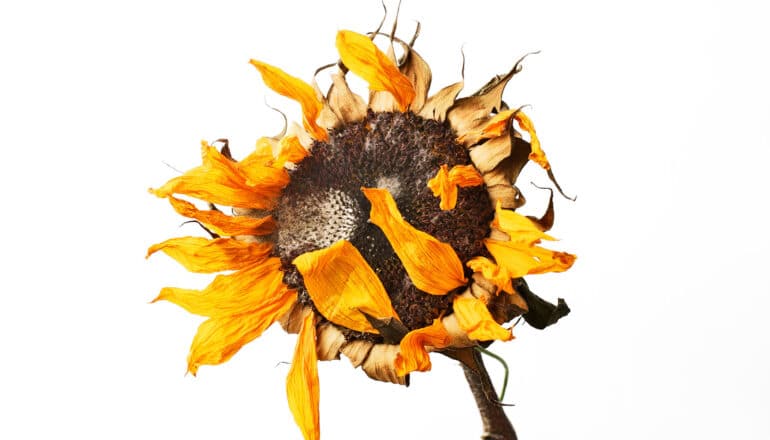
[[396, 151]]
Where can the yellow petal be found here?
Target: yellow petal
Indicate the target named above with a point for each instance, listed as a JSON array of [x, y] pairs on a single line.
[[520, 228], [302, 385], [223, 224], [432, 265], [219, 338], [198, 254], [492, 272], [413, 355], [362, 57], [342, 285], [537, 154], [251, 289], [222, 181], [474, 317], [298, 90], [520, 259]]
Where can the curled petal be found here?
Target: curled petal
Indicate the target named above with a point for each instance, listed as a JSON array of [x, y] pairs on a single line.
[[220, 180], [445, 183], [223, 224], [362, 57], [537, 154], [220, 337], [302, 385], [413, 355], [492, 272], [418, 72], [298, 90], [198, 254], [474, 317], [432, 265], [342, 285], [248, 290]]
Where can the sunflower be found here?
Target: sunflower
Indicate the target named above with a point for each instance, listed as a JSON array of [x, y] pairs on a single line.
[[381, 231]]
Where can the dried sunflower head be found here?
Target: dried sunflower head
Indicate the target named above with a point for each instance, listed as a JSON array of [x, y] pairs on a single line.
[[381, 231]]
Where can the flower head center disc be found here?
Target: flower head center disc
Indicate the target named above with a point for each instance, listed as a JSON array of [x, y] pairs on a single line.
[[399, 152]]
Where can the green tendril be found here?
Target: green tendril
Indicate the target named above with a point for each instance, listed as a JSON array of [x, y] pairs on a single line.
[[505, 367]]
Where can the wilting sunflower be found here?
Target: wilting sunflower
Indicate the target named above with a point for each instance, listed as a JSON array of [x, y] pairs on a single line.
[[381, 231]]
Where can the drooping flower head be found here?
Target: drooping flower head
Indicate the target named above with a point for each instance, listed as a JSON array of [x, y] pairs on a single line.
[[381, 230]]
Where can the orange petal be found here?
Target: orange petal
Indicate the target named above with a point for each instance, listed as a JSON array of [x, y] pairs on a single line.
[[198, 254], [520, 228], [413, 355], [362, 57], [445, 183], [291, 151], [537, 155], [302, 385], [249, 290], [494, 273], [219, 338], [442, 188], [474, 317], [222, 181], [223, 224], [432, 265], [342, 285], [298, 90]]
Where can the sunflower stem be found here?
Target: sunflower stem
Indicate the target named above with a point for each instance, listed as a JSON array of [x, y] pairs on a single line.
[[495, 421]]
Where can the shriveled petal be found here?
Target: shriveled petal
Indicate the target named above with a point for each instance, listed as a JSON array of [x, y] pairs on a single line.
[[259, 287], [469, 113], [492, 272], [445, 183], [223, 224], [362, 57], [302, 385], [342, 285], [222, 181], [432, 265], [437, 105], [521, 259], [414, 356], [520, 228], [494, 127], [474, 317], [220, 337], [298, 90], [348, 106], [537, 154], [417, 70], [198, 254]]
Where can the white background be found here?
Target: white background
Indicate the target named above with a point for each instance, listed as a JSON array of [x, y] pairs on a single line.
[[654, 113]]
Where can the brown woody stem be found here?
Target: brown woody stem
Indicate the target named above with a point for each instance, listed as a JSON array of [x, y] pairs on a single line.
[[496, 423]]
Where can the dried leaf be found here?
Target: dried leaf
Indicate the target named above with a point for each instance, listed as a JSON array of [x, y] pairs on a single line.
[[541, 313]]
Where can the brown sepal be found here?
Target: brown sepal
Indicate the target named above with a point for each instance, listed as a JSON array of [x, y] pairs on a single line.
[[437, 105]]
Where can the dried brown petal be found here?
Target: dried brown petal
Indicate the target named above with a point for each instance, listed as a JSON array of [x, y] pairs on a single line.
[[380, 363], [357, 351], [292, 320], [437, 105], [489, 154], [507, 194], [329, 341], [417, 70], [348, 106], [545, 223]]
